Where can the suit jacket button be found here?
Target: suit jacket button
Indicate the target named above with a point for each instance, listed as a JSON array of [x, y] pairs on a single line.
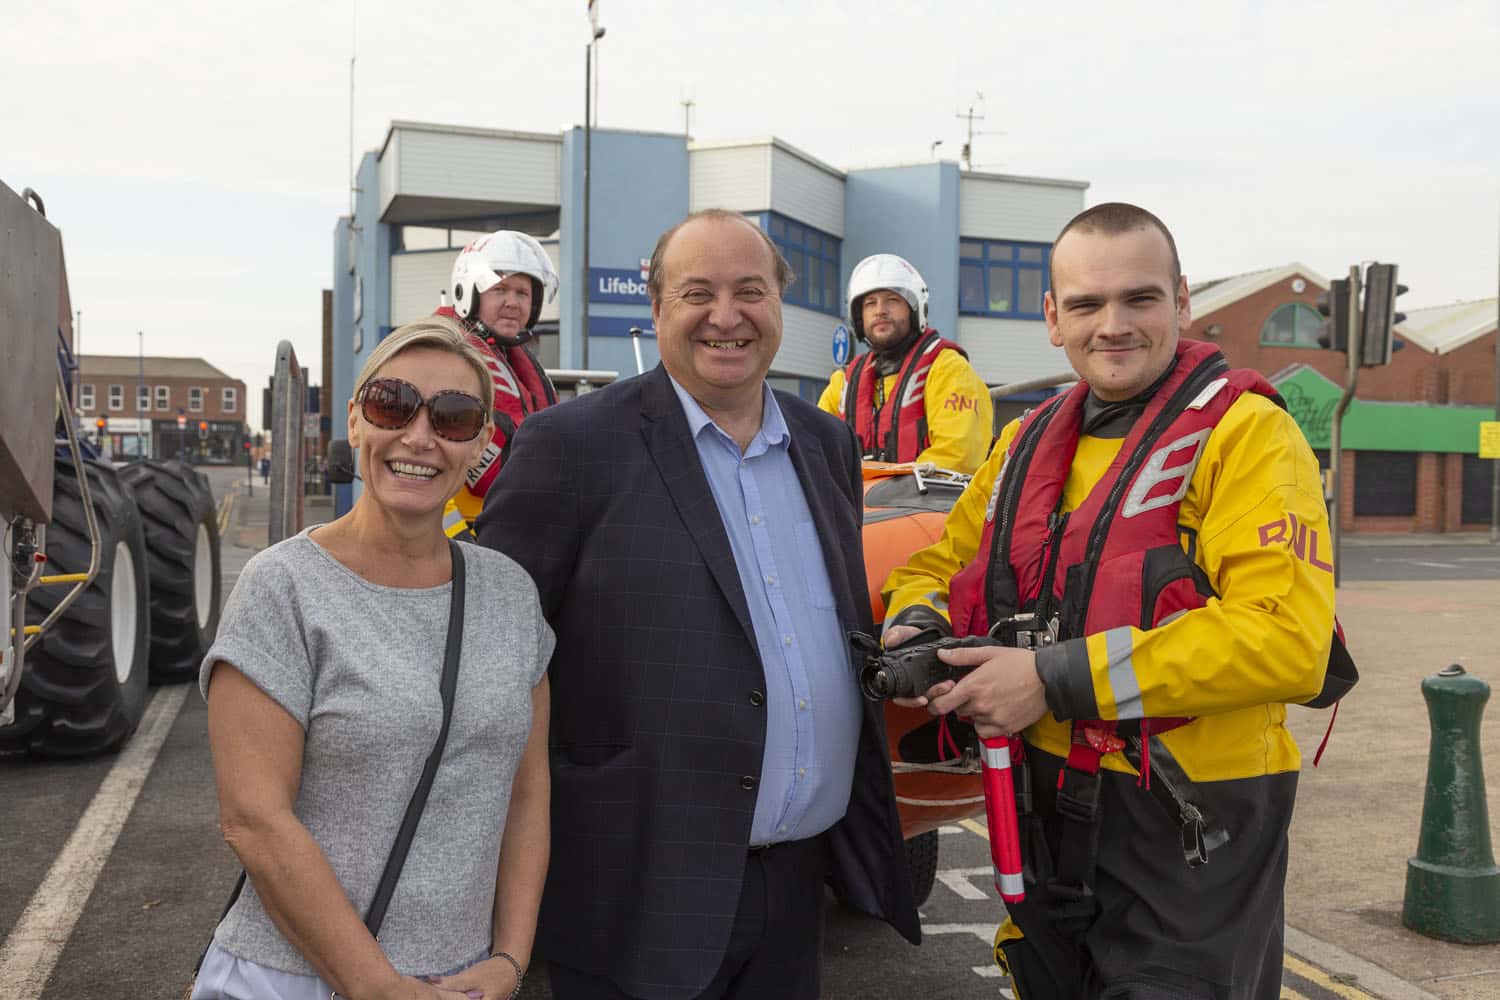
[[748, 782], [757, 699]]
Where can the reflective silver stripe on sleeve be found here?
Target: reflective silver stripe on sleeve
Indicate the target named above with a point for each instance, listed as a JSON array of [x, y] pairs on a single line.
[[1122, 680], [452, 519], [936, 600], [996, 758], [1011, 885]]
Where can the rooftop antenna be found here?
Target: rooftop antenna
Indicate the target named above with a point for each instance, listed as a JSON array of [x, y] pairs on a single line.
[[967, 155], [687, 117], [933, 151]]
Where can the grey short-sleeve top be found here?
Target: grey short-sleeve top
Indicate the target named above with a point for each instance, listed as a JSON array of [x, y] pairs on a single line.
[[358, 666]]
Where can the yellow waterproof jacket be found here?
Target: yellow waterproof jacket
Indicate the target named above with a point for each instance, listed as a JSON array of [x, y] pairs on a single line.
[[960, 417], [1255, 502]]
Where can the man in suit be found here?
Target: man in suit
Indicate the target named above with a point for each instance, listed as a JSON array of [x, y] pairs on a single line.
[[694, 537]]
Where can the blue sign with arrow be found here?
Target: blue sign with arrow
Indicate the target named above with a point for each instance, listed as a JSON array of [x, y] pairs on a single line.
[[843, 345]]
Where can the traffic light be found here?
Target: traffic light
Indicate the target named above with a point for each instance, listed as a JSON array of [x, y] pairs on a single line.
[[1380, 315], [203, 430], [99, 425], [1334, 305]]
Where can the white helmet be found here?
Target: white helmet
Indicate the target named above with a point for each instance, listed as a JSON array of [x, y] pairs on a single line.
[[886, 270], [491, 259]]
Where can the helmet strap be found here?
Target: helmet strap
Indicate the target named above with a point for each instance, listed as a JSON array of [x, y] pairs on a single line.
[[494, 339]]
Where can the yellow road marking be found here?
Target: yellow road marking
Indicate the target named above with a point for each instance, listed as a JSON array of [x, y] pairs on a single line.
[[1287, 993], [1317, 976], [975, 827]]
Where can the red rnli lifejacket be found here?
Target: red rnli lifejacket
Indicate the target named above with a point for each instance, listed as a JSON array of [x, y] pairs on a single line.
[[905, 434], [1117, 560], [521, 388]]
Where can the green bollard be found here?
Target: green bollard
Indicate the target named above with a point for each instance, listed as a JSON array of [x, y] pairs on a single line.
[[1453, 884]]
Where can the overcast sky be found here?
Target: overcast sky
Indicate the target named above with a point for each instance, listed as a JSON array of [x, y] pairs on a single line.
[[196, 156]]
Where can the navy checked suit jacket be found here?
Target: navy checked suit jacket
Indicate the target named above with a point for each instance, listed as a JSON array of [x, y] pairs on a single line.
[[657, 725]]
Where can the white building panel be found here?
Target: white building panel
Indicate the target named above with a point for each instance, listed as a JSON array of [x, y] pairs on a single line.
[[806, 343], [417, 278], [1009, 350], [416, 281], [737, 178], [1015, 208], [554, 254], [807, 191], [474, 165]]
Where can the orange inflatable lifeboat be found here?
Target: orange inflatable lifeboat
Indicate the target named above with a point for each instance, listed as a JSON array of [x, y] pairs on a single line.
[[905, 505]]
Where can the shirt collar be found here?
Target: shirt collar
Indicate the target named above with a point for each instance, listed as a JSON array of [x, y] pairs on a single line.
[[772, 424]]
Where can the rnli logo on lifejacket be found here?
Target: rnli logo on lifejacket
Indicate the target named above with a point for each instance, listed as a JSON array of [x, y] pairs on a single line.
[[1294, 535], [1165, 478], [959, 403]]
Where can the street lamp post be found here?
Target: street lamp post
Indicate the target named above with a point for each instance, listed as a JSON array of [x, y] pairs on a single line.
[[140, 390], [588, 107]]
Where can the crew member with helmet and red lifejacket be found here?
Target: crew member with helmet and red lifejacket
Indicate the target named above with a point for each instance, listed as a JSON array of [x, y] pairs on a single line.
[[913, 397], [499, 283], [1158, 533]]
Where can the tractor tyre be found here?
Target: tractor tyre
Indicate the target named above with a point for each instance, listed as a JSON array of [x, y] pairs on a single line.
[[83, 689], [922, 862], [182, 552]]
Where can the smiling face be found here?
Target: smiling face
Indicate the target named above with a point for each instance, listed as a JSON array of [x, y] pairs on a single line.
[[886, 317], [1115, 308], [718, 314], [410, 472], [506, 307]]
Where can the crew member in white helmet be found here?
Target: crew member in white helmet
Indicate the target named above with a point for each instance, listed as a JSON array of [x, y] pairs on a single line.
[[913, 396], [499, 284]]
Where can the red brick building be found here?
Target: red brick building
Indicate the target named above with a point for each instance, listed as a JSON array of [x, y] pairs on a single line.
[[1411, 435], [140, 401]]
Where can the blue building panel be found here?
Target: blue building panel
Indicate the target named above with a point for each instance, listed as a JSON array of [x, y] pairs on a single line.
[[911, 211], [638, 190]]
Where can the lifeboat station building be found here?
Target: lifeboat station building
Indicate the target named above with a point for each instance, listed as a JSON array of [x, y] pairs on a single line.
[[981, 240]]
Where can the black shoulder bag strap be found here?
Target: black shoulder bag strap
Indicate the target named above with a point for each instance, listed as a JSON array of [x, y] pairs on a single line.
[[375, 916]]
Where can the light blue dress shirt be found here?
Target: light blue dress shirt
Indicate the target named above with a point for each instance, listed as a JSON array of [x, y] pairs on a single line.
[[813, 713]]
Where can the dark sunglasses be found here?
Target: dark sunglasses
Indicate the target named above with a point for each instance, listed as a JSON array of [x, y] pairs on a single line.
[[392, 403]]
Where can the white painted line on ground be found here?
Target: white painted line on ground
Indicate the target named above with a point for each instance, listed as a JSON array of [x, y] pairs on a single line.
[[1432, 565], [990, 972], [957, 879], [984, 932], [950, 828], [1370, 977], [31, 951]]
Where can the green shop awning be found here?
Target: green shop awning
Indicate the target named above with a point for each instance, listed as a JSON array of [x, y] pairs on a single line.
[[1375, 426]]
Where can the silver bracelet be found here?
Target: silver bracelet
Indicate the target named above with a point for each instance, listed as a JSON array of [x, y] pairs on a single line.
[[520, 972]]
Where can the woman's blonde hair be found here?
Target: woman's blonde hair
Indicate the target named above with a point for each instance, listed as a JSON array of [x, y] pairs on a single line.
[[437, 332]]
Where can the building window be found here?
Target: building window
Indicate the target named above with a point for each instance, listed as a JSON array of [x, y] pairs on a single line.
[[813, 256], [1292, 325], [1002, 278], [86, 396], [1477, 486], [163, 397], [1385, 483], [230, 400], [195, 398], [117, 397], [142, 397]]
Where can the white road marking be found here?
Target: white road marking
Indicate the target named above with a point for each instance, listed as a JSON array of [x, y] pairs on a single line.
[[990, 972], [31, 951], [984, 932], [957, 879], [950, 828], [1432, 565]]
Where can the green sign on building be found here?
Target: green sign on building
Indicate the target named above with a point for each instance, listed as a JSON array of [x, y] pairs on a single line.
[[1372, 426]]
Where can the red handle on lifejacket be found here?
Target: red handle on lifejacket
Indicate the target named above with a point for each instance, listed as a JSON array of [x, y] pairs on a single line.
[[1000, 811]]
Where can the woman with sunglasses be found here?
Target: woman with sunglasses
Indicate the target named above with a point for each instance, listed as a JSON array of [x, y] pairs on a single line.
[[323, 705], [499, 283]]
